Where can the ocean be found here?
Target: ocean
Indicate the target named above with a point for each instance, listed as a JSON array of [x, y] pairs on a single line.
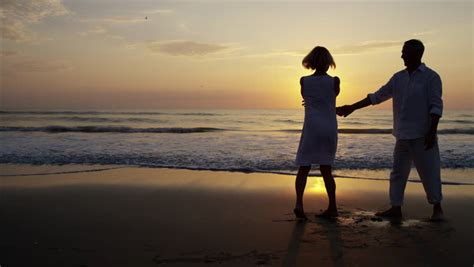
[[223, 140]]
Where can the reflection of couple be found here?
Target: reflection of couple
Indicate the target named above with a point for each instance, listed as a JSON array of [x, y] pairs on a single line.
[[417, 107]]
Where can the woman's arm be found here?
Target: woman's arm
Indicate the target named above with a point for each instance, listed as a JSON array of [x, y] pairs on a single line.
[[337, 84], [301, 86], [301, 91]]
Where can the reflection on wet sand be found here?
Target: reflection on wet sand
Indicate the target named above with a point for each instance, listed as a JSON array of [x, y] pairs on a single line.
[[332, 242], [294, 243]]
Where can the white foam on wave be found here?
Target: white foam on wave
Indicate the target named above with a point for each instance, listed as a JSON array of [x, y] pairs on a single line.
[[109, 129]]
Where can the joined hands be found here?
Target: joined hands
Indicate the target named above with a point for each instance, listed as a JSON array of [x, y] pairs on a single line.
[[344, 111]]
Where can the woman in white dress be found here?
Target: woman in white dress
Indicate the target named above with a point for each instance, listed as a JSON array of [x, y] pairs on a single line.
[[318, 141]]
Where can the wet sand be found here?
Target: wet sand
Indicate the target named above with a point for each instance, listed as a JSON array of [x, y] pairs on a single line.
[[164, 217]]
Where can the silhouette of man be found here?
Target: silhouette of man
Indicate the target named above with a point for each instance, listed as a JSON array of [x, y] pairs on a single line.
[[417, 108]]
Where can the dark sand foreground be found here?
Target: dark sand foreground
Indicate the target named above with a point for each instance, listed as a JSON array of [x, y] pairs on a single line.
[[162, 217]]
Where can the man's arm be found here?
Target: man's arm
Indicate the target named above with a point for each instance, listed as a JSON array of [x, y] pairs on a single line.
[[430, 137], [346, 110], [434, 96], [436, 110], [383, 94]]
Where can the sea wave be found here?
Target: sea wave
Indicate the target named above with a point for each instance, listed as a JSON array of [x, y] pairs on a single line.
[[8, 112], [460, 121], [124, 129], [112, 120], [468, 131], [92, 119], [365, 131], [108, 129], [289, 121], [82, 119], [456, 131], [206, 160]]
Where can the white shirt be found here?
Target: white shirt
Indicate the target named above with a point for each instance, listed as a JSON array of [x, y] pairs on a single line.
[[415, 97]]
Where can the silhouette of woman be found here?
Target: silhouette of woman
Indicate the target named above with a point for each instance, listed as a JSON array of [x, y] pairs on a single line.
[[318, 141]]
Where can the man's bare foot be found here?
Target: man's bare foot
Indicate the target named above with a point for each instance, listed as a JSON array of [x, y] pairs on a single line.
[[393, 212], [437, 215], [329, 213]]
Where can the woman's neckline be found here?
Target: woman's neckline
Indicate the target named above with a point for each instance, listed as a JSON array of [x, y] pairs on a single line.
[[319, 74]]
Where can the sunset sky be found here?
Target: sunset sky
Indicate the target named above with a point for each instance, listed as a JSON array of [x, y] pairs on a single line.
[[141, 54]]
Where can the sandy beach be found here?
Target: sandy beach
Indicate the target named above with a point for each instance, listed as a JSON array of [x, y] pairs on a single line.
[[165, 217]]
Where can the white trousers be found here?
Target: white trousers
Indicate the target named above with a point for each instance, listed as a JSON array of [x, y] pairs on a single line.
[[427, 164]]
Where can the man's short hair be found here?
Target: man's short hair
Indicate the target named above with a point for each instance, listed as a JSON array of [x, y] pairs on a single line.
[[417, 45]]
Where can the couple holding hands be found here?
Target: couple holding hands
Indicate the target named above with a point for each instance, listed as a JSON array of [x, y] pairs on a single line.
[[417, 108]]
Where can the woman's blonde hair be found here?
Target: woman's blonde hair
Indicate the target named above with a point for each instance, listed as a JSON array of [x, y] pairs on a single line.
[[319, 59]]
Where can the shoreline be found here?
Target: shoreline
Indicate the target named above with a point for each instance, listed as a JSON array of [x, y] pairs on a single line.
[[12, 170]]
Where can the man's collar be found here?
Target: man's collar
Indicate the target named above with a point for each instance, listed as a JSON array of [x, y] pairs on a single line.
[[421, 67]]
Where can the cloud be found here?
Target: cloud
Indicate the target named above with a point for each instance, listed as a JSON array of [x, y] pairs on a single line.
[[123, 20], [16, 16], [424, 33], [8, 53], [94, 30], [366, 47], [341, 50], [186, 48], [158, 11], [116, 20], [38, 65], [182, 27], [280, 53], [101, 26]]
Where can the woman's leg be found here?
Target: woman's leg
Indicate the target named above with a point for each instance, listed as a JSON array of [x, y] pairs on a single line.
[[330, 184], [300, 184]]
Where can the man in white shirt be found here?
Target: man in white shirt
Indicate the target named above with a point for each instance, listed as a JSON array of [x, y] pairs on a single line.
[[417, 108]]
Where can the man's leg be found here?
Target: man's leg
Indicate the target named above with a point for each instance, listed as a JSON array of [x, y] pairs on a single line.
[[427, 164], [402, 159]]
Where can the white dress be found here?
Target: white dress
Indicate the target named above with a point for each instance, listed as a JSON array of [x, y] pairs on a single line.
[[318, 141]]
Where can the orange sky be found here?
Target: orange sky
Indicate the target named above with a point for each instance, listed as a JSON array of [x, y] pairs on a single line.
[[207, 54]]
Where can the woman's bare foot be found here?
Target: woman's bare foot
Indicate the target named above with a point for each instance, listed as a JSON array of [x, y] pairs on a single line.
[[299, 213]]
